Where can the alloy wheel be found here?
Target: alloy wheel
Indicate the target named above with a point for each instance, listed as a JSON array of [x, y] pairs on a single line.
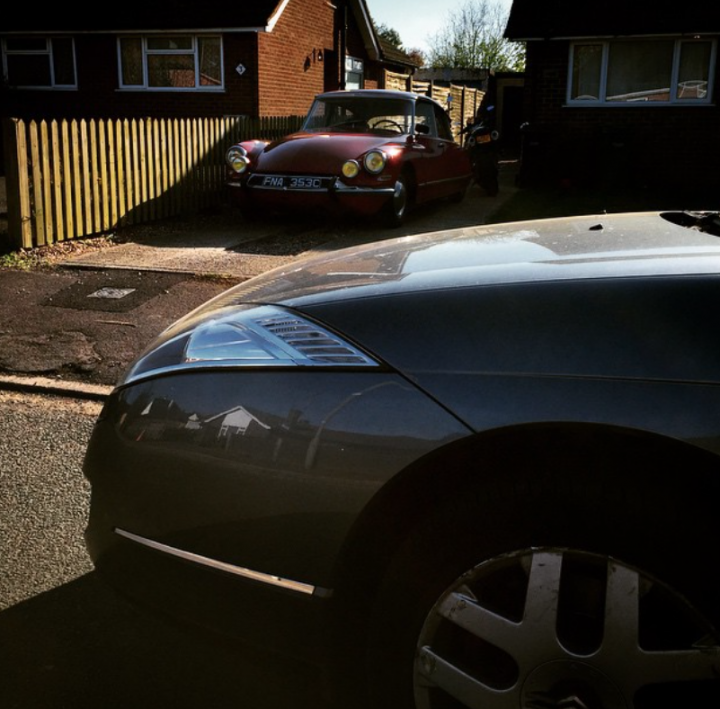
[[559, 628]]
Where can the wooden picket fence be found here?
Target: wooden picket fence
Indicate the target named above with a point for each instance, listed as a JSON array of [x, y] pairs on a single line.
[[77, 178]]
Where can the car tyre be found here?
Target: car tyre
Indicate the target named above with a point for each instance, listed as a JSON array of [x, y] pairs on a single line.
[[491, 186], [399, 203], [248, 212], [463, 616], [459, 197]]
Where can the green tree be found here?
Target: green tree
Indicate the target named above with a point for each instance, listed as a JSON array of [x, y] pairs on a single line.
[[473, 39], [390, 35]]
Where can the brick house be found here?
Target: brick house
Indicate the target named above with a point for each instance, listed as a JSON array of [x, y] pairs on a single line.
[[628, 93], [265, 58]]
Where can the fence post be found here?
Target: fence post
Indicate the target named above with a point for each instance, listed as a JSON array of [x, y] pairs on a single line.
[[16, 185]]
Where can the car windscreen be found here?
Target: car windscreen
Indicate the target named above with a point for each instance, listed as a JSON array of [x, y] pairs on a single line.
[[359, 115]]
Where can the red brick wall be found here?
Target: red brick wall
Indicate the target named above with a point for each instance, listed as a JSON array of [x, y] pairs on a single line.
[[640, 143], [291, 70]]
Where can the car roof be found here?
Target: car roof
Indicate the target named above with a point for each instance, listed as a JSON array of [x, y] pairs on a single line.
[[377, 93]]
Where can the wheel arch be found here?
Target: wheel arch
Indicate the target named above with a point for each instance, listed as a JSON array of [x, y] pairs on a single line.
[[567, 460]]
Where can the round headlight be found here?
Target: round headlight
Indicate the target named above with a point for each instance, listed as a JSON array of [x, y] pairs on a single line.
[[236, 159], [351, 168], [375, 162]]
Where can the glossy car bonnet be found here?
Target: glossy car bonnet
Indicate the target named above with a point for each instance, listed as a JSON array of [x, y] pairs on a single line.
[[642, 244]]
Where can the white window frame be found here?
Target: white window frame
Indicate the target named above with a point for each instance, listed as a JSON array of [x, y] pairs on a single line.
[[355, 67], [48, 52], [674, 100], [146, 52]]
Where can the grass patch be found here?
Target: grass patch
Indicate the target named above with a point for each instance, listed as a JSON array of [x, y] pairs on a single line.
[[47, 257], [18, 260]]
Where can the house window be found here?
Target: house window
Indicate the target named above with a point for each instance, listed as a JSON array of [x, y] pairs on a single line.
[[170, 62], [354, 73], [39, 62], [648, 71]]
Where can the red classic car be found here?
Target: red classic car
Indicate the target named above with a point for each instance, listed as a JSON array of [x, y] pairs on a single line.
[[366, 152]]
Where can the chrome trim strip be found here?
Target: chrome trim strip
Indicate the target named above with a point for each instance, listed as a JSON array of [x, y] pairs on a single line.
[[288, 584], [445, 180], [341, 188], [315, 190]]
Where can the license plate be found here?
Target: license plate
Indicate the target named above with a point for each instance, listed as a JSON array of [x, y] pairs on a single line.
[[289, 182]]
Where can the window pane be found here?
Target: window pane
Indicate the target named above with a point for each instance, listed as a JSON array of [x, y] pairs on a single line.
[[694, 70], [63, 64], [353, 80], [587, 62], [131, 66], [173, 70], [169, 43], [640, 71], [29, 70], [444, 127], [425, 116], [209, 51]]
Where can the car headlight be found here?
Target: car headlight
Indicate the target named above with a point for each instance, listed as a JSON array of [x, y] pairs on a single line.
[[237, 159], [375, 161], [351, 169], [248, 336]]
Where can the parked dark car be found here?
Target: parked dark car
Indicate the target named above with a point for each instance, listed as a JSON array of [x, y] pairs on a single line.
[[477, 468], [364, 152]]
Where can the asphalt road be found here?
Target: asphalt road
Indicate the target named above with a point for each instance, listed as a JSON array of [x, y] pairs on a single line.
[[66, 640]]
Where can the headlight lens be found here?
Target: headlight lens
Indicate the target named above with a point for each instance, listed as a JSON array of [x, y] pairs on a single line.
[[250, 336], [351, 169], [375, 162], [237, 159]]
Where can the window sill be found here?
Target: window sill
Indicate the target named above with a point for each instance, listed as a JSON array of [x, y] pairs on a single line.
[[636, 104], [144, 90]]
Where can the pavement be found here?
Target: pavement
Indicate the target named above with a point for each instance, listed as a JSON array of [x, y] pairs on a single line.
[[74, 327]]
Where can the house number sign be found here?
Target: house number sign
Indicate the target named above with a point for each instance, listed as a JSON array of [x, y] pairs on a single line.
[[240, 69]]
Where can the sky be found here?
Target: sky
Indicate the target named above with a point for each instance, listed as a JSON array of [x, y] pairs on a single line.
[[416, 20]]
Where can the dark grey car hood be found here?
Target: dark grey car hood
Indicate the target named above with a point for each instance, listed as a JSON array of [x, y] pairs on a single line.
[[640, 244], [562, 297]]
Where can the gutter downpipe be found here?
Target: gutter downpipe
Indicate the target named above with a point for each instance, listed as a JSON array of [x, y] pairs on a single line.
[[343, 44]]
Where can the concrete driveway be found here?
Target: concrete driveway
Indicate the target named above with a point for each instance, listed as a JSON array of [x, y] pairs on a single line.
[[225, 244]]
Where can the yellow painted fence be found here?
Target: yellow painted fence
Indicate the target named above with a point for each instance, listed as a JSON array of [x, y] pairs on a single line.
[[77, 178]]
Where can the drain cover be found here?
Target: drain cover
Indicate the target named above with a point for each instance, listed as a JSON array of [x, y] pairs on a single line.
[[113, 293]]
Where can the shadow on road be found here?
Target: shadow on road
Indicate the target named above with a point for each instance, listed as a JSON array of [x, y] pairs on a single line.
[[81, 646]]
